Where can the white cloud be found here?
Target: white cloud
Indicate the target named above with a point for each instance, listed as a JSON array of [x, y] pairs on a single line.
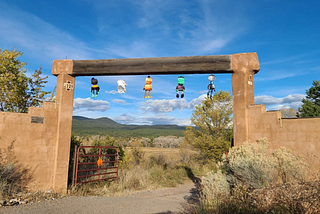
[[163, 119], [130, 119], [196, 101], [111, 92], [290, 101], [88, 104], [160, 119], [164, 105], [123, 102], [158, 106], [137, 49]]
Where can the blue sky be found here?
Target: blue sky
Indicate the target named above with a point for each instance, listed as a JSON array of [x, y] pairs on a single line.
[[285, 34]]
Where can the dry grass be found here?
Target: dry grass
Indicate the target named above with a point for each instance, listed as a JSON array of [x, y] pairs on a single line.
[[169, 153], [144, 168]]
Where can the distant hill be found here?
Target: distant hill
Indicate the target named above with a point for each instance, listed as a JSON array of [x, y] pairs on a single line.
[[83, 126]]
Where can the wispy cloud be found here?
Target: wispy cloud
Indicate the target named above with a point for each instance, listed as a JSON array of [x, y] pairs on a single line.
[[295, 59], [290, 101], [293, 105], [193, 27], [276, 75], [159, 119], [316, 68], [123, 102], [43, 40], [137, 49], [87, 104], [130, 119], [158, 106], [111, 92], [162, 119]]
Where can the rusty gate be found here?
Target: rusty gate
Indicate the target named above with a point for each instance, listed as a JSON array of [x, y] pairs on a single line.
[[95, 163]]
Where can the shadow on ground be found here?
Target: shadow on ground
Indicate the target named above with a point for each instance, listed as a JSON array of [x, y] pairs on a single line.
[[194, 198]]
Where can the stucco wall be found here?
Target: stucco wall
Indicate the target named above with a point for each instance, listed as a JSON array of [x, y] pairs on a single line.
[[34, 143], [301, 135]]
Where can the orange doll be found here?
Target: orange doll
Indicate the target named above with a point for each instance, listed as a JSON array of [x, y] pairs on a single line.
[[148, 87]]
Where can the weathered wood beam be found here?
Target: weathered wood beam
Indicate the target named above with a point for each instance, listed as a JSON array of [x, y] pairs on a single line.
[[143, 66]]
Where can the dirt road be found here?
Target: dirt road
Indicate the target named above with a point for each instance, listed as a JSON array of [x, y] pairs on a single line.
[[164, 201]]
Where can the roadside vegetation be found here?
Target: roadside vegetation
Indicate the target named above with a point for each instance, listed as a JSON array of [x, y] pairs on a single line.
[[145, 168], [253, 179]]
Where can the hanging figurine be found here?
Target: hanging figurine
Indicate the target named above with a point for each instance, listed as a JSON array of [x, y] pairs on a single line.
[[148, 87], [95, 90], [180, 87], [121, 86], [211, 86]]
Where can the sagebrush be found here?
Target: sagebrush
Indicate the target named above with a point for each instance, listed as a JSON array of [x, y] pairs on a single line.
[[253, 179]]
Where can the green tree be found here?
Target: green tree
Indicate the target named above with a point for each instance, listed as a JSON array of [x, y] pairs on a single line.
[[311, 104], [18, 91], [214, 130]]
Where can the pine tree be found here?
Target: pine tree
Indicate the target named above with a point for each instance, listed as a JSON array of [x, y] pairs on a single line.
[[311, 104]]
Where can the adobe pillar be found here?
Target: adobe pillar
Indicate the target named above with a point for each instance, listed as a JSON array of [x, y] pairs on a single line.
[[64, 99], [244, 66]]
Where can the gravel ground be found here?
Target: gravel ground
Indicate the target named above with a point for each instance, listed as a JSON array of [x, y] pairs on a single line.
[[164, 201]]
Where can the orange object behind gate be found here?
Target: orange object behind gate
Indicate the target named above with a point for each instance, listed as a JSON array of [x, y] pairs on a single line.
[[96, 164]]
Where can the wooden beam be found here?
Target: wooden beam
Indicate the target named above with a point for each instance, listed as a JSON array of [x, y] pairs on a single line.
[[144, 66]]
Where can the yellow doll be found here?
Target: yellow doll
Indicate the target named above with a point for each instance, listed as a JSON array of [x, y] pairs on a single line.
[[148, 87]]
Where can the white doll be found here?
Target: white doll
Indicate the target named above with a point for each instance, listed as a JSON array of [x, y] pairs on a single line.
[[121, 86]]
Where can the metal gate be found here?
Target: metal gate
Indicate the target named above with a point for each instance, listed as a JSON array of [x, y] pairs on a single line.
[[95, 163]]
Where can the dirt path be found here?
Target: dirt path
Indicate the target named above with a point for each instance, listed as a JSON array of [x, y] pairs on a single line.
[[164, 201]]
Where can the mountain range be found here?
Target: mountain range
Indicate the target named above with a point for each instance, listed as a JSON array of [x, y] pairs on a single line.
[[83, 126]]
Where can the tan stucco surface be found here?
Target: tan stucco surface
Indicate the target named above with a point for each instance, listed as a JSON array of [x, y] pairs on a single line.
[[301, 135], [244, 67], [34, 143]]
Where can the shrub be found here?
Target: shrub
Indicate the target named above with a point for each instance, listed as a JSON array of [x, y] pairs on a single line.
[[214, 186], [158, 159], [13, 177], [131, 180], [260, 182], [137, 153], [289, 167], [250, 165]]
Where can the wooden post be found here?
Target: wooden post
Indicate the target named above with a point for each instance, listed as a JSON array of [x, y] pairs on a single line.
[[64, 99]]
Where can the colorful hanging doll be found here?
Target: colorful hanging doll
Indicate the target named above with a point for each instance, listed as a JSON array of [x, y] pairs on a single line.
[[211, 86], [148, 87], [95, 90], [180, 87], [121, 86]]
